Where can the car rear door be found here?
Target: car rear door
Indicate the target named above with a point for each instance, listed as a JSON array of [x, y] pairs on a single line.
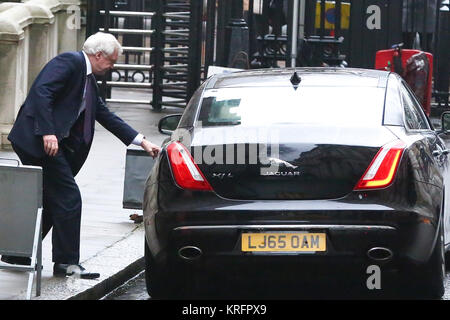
[[416, 120]]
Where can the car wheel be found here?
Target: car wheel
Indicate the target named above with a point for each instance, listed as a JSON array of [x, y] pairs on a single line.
[[157, 282], [447, 260], [431, 276], [165, 282]]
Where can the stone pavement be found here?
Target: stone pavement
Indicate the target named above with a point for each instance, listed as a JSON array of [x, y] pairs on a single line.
[[110, 243]]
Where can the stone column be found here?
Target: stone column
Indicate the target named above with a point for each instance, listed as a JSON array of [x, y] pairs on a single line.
[[82, 31], [237, 37], [69, 25], [67, 22], [14, 56], [31, 33], [42, 38]]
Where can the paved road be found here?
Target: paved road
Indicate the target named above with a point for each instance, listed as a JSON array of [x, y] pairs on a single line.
[[135, 290]]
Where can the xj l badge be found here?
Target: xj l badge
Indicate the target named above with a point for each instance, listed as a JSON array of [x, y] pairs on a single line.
[[222, 175]]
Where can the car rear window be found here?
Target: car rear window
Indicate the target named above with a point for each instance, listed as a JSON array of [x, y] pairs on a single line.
[[307, 105]]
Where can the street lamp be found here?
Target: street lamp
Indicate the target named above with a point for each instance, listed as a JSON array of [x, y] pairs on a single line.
[[236, 35]]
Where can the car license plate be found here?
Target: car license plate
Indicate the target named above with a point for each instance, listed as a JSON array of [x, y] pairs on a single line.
[[283, 242]]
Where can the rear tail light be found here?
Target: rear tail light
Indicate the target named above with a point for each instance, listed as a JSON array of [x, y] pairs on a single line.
[[382, 169], [186, 173]]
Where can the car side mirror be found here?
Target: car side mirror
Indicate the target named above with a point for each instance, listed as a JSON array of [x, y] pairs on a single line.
[[445, 122], [168, 124]]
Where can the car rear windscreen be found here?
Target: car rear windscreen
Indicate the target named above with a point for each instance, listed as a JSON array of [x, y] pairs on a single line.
[[312, 105]]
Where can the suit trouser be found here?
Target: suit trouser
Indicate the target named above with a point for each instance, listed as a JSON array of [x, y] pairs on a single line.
[[61, 203]]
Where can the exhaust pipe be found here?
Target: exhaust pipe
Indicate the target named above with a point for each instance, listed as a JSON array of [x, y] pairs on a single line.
[[380, 254], [190, 253]]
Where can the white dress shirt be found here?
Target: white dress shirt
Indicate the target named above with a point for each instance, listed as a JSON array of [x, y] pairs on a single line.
[[138, 139]]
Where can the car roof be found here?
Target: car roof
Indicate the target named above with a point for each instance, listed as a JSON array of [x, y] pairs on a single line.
[[280, 77]]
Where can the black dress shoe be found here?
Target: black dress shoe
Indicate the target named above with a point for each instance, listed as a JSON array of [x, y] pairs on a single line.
[[63, 269], [25, 261]]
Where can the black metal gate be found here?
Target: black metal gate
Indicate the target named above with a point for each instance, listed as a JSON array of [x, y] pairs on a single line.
[[161, 50], [374, 25], [130, 23], [365, 26], [169, 44], [177, 52], [330, 32]]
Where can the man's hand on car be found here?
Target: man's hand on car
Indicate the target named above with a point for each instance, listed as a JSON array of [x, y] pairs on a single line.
[[151, 148]]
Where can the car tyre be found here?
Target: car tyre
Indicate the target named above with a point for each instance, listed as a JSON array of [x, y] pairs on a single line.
[[431, 276], [157, 281], [166, 282], [447, 260]]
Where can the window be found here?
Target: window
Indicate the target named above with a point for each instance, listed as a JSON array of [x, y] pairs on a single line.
[[414, 116], [418, 107], [188, 118], [309, 105], [393, 108]]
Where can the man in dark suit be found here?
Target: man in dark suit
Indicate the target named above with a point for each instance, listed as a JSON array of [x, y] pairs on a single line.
[[54, 129]]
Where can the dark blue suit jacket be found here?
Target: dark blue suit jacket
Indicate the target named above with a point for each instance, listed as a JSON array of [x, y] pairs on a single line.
[[53, 104]]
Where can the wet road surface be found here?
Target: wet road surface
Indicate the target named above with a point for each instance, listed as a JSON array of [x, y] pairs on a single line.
[[317, 289]]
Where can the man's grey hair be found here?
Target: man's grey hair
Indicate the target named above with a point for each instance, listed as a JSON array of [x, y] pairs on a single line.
[[102, 42]]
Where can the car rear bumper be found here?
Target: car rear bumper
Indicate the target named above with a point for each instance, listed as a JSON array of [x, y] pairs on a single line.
[[221, 245], [341, 240], [352, 225]]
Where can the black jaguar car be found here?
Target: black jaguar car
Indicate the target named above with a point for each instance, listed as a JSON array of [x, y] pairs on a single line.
[[290, 167]]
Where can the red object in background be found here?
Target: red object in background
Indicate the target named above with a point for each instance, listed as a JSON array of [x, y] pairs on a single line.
[[381, 63]]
